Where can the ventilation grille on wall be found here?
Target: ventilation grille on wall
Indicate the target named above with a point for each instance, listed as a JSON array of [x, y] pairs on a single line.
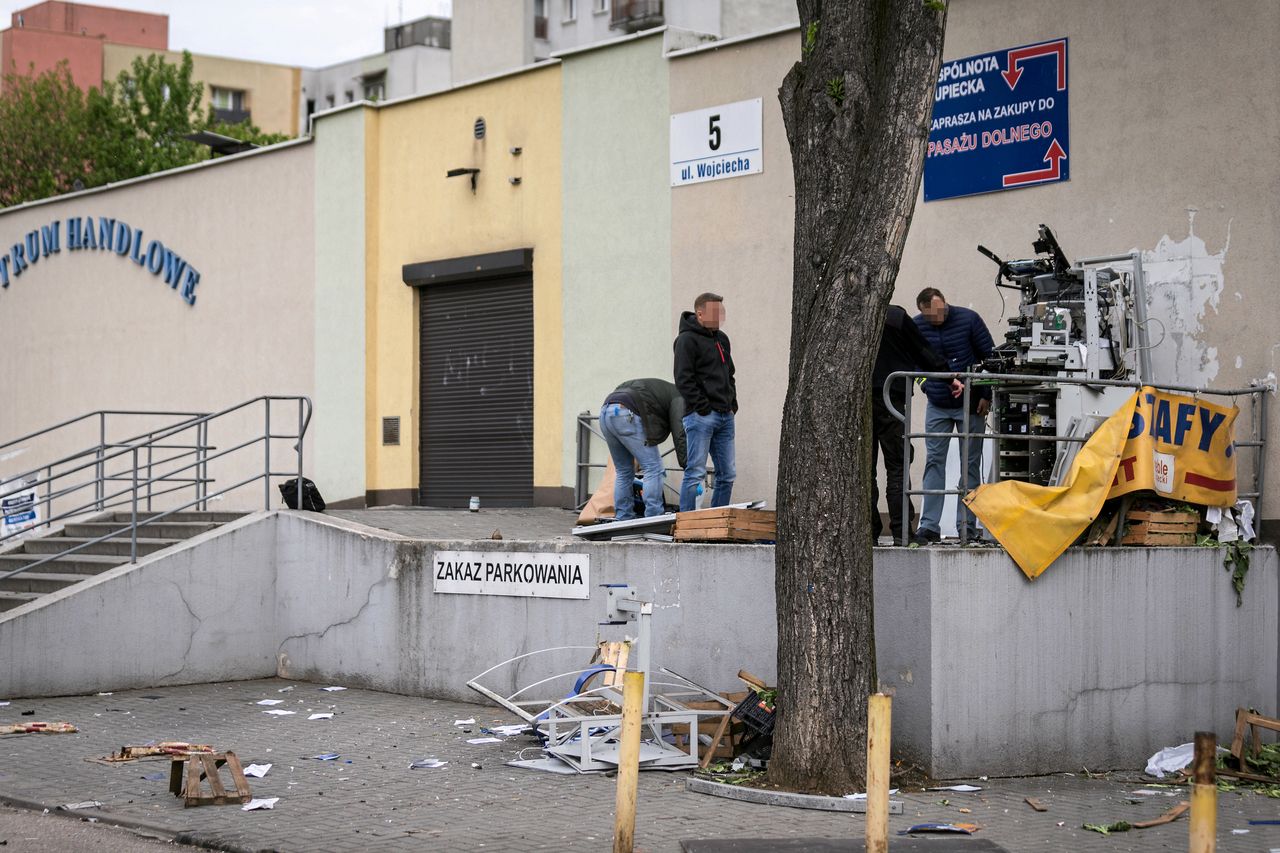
[[391, 430]]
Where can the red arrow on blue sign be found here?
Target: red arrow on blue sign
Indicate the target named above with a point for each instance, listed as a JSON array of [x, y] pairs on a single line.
[[1054, 156], [1018, 55]]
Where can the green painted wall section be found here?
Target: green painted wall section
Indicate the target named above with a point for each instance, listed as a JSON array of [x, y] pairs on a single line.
[[340, 301], [617, 227]]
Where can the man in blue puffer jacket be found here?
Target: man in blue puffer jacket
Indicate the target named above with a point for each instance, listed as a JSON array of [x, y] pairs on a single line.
[[959, 336]]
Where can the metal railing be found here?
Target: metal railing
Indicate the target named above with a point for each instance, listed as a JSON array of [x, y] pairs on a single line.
[[582, 482], [134, 463], [1020, 382]]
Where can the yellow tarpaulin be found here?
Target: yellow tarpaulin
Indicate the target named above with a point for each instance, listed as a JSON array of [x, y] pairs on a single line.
[[1035, 523], [1179, 447]]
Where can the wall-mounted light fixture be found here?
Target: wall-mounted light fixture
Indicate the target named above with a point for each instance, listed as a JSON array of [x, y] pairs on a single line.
[[456, 173], [515, 152], [515, 182]]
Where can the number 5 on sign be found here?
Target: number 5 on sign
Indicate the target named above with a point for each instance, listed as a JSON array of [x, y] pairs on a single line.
[[717, 142]]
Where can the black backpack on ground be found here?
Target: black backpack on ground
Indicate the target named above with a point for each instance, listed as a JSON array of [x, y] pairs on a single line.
[[311, 499]]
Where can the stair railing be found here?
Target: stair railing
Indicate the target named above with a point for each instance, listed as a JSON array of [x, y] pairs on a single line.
[[143, 472]]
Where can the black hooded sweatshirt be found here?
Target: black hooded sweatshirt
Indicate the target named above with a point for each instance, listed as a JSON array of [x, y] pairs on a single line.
[[704, 368]]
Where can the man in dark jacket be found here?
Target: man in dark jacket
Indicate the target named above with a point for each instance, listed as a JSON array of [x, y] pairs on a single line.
[[635, 419], [959, 336], [704, 375], [902, 347]]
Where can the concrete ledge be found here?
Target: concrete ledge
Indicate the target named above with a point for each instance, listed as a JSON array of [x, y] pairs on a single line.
[[782, 798]]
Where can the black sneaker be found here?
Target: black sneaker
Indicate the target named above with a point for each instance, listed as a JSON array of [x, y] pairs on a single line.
[[925, 537]]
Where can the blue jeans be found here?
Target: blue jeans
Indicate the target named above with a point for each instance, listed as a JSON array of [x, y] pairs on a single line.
[[703, 433], [624, 433], [938, 419]]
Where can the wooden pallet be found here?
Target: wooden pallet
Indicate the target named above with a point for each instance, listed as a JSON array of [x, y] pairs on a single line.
[[202, 766], [726, 525], [1161, 528]]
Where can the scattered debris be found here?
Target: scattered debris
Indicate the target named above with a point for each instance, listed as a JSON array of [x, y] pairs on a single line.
[[475, 766], [1239, 832], [862, 796], [956, 828], [1108, 828], [469, 722], [959, 789], [104, 694], [1171, 759], [324, 715], [270, 701], [264, 803], [257, 770], [278, 713], [205, 766], [176, 748], [38, 728], [4, 704], [549, 765], [158, 776], [507, 731], [332, 689], [427, 764], [328, 756], [1168, 817], [1036, 804], [484, 740], [285, 689], [87, 804]]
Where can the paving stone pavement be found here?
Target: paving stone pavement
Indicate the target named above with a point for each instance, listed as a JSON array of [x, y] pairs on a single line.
[[369, 797]]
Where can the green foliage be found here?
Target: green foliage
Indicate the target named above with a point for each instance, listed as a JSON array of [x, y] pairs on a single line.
[[810, 38], [1108, 828], [52, 134], [835, 89], [935, 5], [1237, 562]]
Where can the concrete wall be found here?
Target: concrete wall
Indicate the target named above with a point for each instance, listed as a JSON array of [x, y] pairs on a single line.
[[205, 612], [411, 70], [733, 237], [339, 253], [88, 329], [489, 37], [416, 214], [615, 259], [24, 51], [271, 91], [1109, 656]]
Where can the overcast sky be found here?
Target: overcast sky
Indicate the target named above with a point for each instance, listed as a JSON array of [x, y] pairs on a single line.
[[292, 32]]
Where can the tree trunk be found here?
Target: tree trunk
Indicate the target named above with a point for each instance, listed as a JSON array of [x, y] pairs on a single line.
[[856, 108]]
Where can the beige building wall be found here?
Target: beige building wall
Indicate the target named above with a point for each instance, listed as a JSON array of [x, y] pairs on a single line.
[[90, 329], [1172, 147], [271, 91], [489, 37]]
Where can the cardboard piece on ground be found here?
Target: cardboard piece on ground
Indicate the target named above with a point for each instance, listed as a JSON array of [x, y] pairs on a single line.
[[600, 504]]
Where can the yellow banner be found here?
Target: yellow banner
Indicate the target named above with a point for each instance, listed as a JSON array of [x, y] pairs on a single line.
[[1181, 448], [1035, 524]]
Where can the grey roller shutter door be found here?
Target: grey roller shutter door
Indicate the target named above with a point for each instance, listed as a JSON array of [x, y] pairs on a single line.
[[476, 393]]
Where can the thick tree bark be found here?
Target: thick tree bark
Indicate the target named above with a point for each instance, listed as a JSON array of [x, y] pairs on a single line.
[[856, 108]]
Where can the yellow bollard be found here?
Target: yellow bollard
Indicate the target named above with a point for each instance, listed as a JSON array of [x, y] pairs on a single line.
[[1204, 794], [879, 716], [624, 825]]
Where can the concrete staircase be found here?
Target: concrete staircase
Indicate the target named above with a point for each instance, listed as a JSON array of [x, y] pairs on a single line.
[[72, 569]]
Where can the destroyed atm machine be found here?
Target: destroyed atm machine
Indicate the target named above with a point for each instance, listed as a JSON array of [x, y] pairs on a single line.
[[1086, 320]]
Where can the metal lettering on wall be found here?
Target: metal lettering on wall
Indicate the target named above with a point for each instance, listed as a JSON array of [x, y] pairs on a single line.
[[534, 575], [104, 235], [999, 122]]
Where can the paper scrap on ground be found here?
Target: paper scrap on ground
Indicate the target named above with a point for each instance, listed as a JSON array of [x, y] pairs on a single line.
[[278, 713], [427, 763], [87, 804], [1171, 759], [285, 689], [264, 803], [509, 731], [484, 740], [863, 796], [323, 716], [469, 722], [4, 704], [328, 756], [332, 689], [1239, 832], [270, 701], [959, 789], [257, 770]]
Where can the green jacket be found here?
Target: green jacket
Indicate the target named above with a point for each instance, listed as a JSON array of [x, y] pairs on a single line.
[[661, 411]]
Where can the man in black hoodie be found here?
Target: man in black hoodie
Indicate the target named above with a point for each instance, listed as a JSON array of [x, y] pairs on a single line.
[[635, 419], [704, 375]]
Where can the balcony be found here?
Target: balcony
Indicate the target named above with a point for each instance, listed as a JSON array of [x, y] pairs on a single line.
[[540, 27], [636, 15], [230, 116]]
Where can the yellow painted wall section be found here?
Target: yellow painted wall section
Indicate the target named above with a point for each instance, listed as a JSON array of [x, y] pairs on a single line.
[[272, 91], [417, 214], [372, 196]]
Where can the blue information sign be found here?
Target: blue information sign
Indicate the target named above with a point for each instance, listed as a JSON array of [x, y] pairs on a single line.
[[999, 122]]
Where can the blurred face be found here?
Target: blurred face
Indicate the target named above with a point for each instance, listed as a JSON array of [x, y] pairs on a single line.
[[711, 315], [936, 311]]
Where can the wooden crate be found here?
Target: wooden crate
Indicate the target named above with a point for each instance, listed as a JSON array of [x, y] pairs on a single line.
[[726, 525], [1161, 528]]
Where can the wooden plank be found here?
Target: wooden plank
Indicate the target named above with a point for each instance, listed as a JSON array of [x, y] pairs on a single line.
[[1164, 516], [192, 797], [215, 783], [702, 523], [175, 774], [1160, 539], [1036, 804], [1168, 817], [237, 778], [715, 742], [726, 513]]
